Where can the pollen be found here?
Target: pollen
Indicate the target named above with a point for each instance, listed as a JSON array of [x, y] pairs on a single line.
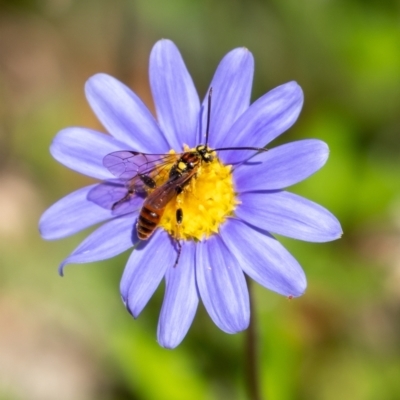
[[205, 203]]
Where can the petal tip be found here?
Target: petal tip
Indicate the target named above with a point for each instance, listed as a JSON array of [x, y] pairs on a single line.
[[169, 342], [163, 45], [61, 267], [294, 85], [339, 234], [125, 301], [321, 153], [44, 230], [241, 55], [299, 286], [166, 346], [335, 230], [95, 81], [294, 89], [135, 313]]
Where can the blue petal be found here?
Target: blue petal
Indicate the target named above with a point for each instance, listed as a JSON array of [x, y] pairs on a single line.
[[175, 96], [83, 151], [289, 215], [124, 115], [267, 118], [264, 259], [231, 87], [145, 269], [71, 214], [111, 239], [222, 286], [282, 166], [180, 300]]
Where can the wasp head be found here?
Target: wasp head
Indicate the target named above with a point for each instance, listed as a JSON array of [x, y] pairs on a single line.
[[205, 153]]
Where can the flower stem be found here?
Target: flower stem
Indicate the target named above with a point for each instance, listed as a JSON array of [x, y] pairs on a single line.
[[251, 352]]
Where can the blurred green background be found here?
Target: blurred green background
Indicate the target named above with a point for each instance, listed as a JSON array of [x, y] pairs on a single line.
[[71, 338]]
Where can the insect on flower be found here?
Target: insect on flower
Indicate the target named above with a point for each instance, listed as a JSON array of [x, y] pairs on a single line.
[[162, 177], [214, 206]]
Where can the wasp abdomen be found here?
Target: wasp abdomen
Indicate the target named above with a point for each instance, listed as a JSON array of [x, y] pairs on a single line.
[[148, 221]]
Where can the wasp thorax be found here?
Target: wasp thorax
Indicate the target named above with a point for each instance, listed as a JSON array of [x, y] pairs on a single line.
[[204, 203]]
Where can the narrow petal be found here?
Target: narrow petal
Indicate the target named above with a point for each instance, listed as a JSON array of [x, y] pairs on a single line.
[[267, 118], [289, 215], [282, 166], [83, 150], [264, 259], [231, 93], [145, 269], [111, 239], [124, 115], [180, 300], [222, 286], [71, 214], [175, 96]]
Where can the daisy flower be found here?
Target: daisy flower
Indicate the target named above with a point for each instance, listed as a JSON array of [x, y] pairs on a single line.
[[229, 209]]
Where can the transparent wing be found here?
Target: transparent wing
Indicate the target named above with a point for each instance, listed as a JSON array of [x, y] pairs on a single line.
[[129, 164], [135, 172], [114, 196]]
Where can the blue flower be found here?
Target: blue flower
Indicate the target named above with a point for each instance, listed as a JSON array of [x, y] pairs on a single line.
[[246, 200]]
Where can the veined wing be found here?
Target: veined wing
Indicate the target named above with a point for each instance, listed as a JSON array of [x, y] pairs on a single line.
[[114, 196], [135, 172], [127, 164]]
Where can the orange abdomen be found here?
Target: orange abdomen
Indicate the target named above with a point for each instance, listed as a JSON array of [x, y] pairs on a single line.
[[148, 220]]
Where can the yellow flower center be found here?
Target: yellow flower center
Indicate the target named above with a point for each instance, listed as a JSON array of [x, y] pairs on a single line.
[[206, 201]]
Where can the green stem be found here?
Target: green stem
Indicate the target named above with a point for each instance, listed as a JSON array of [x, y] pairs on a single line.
[[251, 352]]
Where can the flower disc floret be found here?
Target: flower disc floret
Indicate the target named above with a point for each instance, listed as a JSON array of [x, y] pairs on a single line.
[[206, 202]]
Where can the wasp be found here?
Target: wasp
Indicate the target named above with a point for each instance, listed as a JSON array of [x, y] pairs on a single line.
[[180, 175], [138, 175]]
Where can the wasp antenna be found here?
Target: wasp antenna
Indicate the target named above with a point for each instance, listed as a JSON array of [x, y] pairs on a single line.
[[208, 114], [260, 149]]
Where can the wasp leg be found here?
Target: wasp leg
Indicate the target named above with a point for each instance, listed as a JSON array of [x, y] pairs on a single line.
[[179, 252], [147, 180], [129, 193], [179, 216], [179, 219]]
